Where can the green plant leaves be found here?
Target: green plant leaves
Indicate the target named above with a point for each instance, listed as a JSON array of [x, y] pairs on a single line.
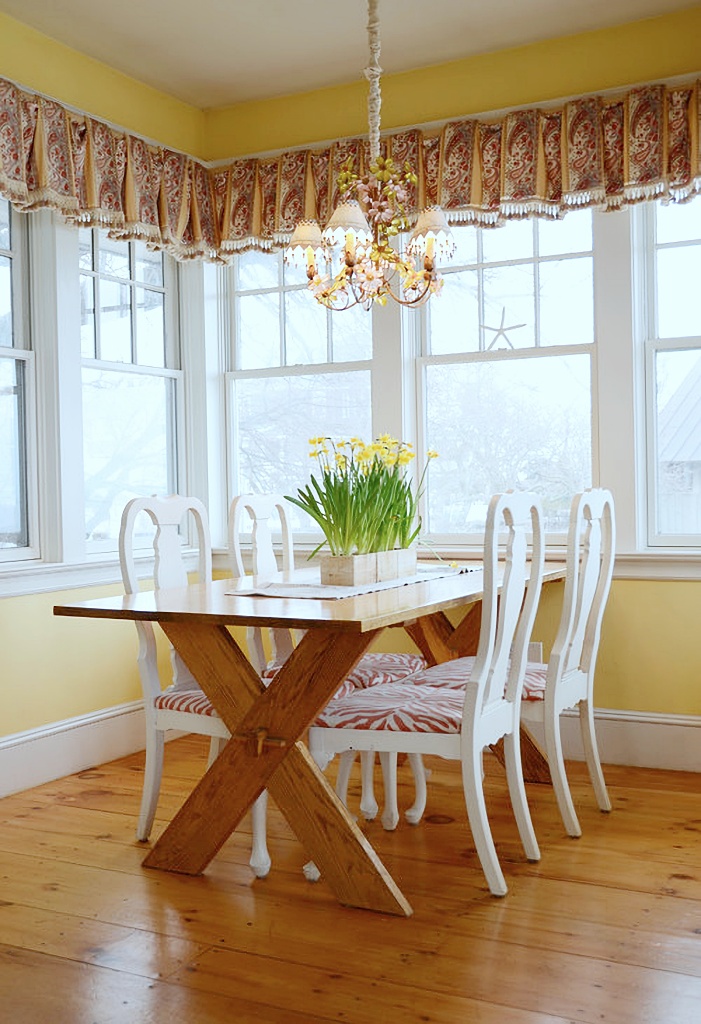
[[363, 498]]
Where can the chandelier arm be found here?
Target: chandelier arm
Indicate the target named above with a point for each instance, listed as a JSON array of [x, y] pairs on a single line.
[[361, 301], [372, 73]]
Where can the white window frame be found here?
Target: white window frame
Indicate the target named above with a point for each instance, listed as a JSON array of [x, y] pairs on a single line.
[[55, 429], [454, 545], [21, 352], [618, 391], [50, 304], [233, 374], [170, 371], [650, 344]]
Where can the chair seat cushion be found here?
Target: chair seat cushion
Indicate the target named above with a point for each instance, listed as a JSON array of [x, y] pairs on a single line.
[[377, 667], [272, 670], [195, 702], [534, 681], [371, 670], [455, 674], [398, 708]]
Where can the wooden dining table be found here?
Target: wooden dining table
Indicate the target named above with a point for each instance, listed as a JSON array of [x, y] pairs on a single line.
[[266, 749]]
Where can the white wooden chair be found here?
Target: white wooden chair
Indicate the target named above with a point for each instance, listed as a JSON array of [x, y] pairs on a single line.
[[181, 705], [268, 653], [458, 723], [567, 681]]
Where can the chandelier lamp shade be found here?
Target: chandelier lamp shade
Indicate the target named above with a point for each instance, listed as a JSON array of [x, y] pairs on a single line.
[[353, 262]]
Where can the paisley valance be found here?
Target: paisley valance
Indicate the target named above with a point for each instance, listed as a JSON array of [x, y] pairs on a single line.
[[605, 151]]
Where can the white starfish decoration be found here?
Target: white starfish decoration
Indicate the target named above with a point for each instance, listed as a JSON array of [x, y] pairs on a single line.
[[500, 331]]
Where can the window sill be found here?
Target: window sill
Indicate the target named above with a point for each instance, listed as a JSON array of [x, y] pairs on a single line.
[[18, 579], [648, 565], [22, 578]]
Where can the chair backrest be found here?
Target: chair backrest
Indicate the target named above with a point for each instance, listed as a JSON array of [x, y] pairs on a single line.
[[591, 544], [264, 510], [507, 616], [167, 515]]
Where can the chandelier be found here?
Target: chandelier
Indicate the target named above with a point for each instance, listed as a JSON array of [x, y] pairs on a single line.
[[353, 262]]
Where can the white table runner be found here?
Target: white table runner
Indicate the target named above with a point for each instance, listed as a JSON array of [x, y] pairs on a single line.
[[309, 586]]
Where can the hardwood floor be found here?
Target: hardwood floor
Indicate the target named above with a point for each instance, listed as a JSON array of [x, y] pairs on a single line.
[[605, 928]]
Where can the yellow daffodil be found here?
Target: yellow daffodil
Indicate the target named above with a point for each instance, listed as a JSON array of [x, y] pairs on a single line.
[[363, 500]]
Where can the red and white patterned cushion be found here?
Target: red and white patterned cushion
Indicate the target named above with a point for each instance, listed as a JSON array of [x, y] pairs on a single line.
[[193, 701], [398, 708], [378, 667], [272, 670], [455, 674], [371, 670], [534, 681]]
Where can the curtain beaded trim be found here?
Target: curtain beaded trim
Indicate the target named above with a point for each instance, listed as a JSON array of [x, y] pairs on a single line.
[[607, 152]]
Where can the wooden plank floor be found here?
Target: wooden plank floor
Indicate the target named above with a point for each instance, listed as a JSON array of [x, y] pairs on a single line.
[[605, 928]]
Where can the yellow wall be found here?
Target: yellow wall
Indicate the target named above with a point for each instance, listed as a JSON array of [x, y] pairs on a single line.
[[56, 668], [650, 654], [42, 65], [572, 66]]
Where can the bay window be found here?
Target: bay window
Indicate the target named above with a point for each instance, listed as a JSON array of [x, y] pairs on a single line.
[[560, 354]]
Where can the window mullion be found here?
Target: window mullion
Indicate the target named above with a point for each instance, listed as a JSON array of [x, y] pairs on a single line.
[[133, 303], [616, 394]]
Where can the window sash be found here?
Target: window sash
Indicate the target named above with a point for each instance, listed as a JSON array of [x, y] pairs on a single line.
[[26, 467], [171, 421], [654, 347], [678, 509]]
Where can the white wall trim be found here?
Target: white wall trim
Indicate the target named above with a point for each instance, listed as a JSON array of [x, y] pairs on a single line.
[[37, 756], [31, 758], [636, 738]]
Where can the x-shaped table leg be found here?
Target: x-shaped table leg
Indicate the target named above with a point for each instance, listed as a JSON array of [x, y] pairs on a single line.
[[265, 752]]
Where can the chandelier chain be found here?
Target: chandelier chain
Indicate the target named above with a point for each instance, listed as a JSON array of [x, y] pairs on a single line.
[[372, 73]]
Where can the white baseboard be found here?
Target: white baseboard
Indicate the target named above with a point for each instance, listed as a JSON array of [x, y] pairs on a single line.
[[31, 758], [636, 738]]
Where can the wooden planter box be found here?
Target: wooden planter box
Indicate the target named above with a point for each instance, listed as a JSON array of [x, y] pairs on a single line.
[[395, 565], [357, 570]]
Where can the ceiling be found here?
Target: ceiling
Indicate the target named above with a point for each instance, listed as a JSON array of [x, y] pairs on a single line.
[[214, 53]]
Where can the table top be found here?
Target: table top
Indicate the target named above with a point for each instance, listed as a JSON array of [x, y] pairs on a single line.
[[210, 603]]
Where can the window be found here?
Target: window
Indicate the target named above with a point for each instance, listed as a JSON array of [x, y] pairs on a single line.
[[299, 371], [507, 371], [673, 375], [522, 373], [17, 511], [129, 381], [503, 386]]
